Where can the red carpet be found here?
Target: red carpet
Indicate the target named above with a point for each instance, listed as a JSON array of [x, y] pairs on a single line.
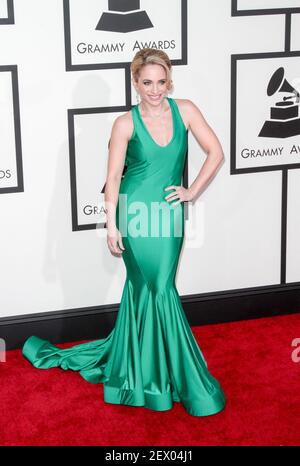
[[251, 359]]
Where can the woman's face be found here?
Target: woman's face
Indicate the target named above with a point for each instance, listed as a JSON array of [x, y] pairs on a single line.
[[152, 84]]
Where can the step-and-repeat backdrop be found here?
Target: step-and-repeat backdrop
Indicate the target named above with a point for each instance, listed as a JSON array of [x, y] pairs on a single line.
[[65, 77]]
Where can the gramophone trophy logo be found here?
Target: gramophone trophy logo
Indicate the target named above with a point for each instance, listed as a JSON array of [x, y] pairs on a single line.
[[124, 16], [265, 120], [103, 34], [284, 116]]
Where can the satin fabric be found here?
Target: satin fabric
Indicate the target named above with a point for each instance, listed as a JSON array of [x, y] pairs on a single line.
[[151, 357]]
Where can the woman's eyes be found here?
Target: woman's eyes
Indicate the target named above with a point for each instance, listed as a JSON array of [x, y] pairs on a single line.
[[147, 82]]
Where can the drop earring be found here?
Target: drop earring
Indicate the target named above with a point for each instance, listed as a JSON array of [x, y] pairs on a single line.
[[138, 97]]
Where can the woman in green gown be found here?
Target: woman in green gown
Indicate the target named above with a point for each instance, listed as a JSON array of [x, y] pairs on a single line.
[[151, 357]]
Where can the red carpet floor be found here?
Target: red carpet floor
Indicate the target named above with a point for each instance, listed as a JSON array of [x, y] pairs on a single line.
[[252, 360]]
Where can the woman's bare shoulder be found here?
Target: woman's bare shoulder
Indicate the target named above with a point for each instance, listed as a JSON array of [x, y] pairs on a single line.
[[124, 124], [189, 111], [186, 105]]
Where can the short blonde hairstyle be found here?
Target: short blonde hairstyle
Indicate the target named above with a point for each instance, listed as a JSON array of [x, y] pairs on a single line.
[[154, 56]]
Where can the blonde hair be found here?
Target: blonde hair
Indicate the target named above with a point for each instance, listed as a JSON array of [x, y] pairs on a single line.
[[154, 56]]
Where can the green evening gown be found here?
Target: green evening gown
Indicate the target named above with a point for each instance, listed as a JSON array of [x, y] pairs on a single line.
[[151, 357]]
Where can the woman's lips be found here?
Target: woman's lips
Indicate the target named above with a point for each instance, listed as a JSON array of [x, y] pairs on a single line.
[[155, 97]]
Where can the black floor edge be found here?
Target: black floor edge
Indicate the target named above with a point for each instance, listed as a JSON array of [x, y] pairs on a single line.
[[96, 322]]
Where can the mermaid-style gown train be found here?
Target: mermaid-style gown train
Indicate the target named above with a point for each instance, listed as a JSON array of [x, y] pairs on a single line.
[[151, 357]]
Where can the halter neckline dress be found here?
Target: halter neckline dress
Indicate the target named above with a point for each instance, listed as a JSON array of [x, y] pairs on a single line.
[[151, 357]]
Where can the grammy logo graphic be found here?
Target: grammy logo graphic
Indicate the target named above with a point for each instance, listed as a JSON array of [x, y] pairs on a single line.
[[284, 117], [124, 16]]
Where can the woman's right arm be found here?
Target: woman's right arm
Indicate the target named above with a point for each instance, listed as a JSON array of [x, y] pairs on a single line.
[[116, 158]]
